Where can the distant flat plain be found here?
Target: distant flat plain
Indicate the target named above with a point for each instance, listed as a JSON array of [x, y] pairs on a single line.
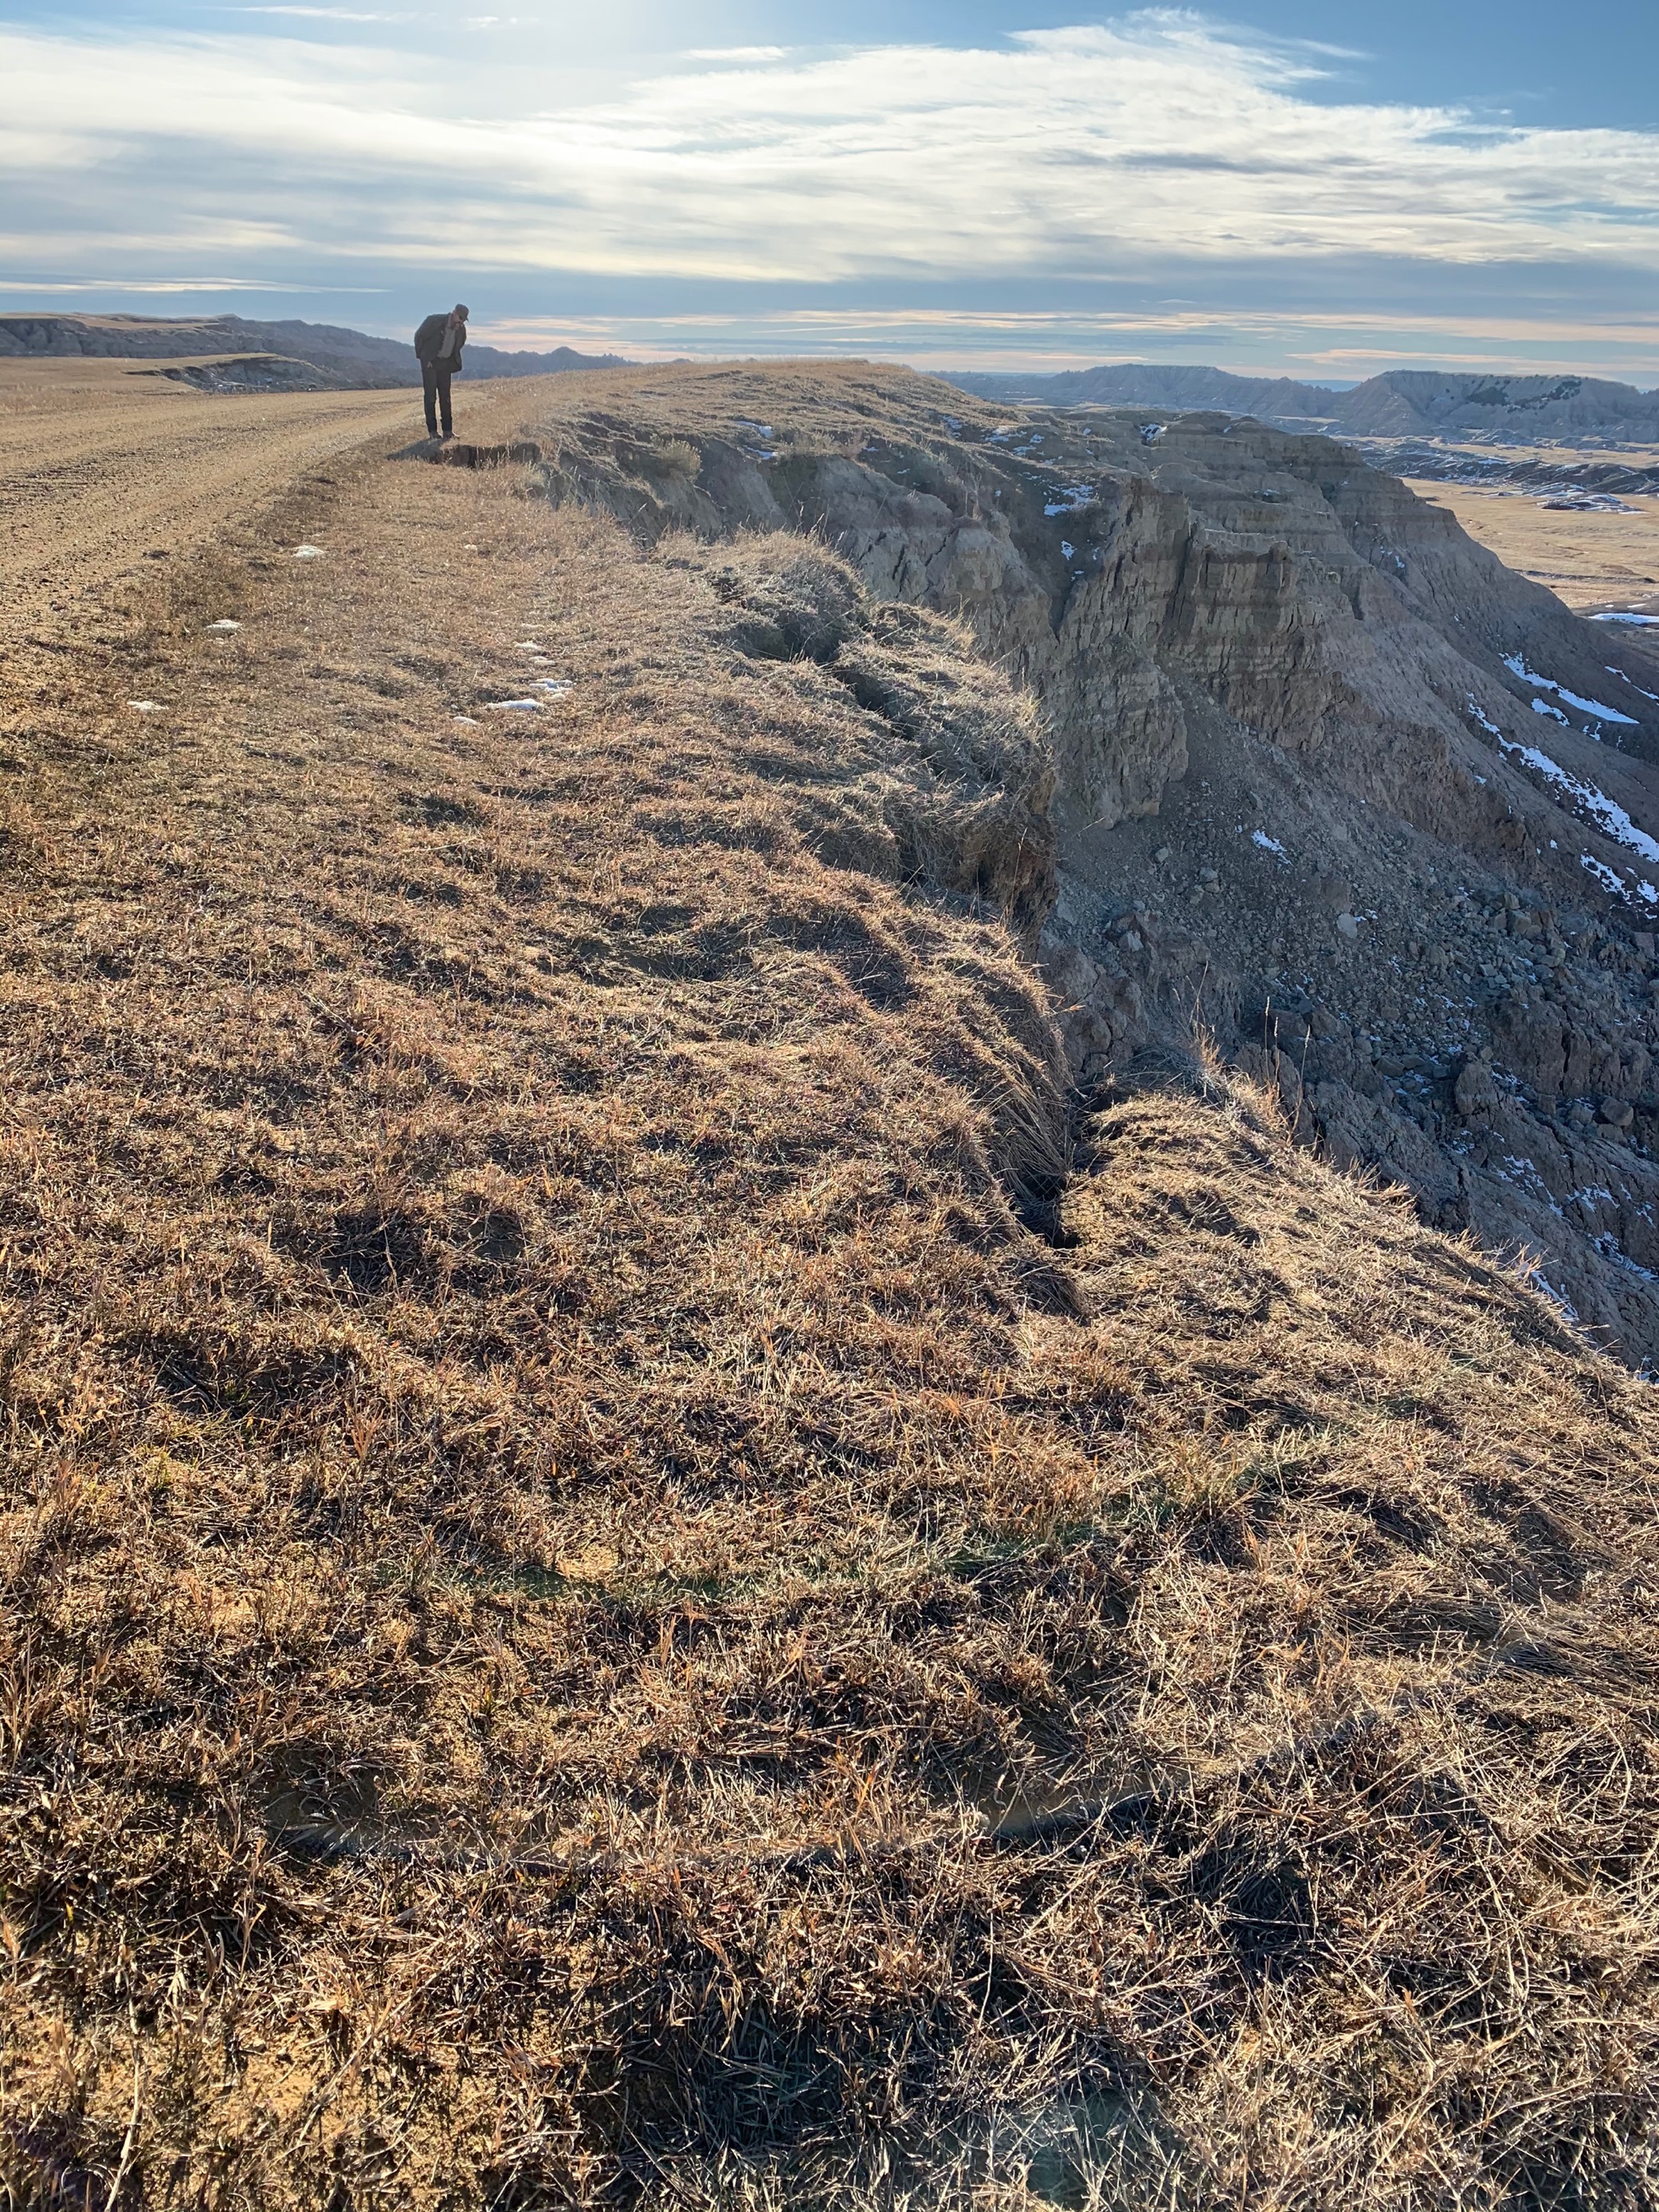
[[1592, 559]]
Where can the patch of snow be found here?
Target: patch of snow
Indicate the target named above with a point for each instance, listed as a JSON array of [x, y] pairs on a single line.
[[1268, 844], [1635, 621], [1488, 725], [1609, 1247], [1151, 432], [1069, 551], [225, 623], [314, 553], [1594, 707], [1543, 707], [1632, 682], [1516, 663], [1607, 813], [1072, 497], [1610, 882], [147, 706], [557, 685], [526, 645], [471, 721], [514, 705], [1556, 1298]]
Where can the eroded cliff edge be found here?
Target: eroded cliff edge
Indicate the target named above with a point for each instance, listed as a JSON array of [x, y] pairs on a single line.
[[1329, 779]]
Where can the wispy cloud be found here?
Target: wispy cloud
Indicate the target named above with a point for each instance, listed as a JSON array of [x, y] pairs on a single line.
[[104, 286], [946, 336], [1074, 155]]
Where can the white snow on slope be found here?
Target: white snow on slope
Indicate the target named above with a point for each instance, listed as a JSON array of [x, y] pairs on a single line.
[[1268, 844], [1516, 664], [1607, 815], [1611, 881], [1543, 707], [1072, 497], [1636, 622], [1556, 1298]]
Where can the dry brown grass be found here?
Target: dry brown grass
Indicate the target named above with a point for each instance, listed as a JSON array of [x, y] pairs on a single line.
[[592, 1613], [1590, 560]]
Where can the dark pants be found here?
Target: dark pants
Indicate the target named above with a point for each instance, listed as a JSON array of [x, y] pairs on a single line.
[[435, 382]]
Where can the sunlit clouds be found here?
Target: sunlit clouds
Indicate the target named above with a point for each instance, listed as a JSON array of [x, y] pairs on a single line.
[[1098, 155]]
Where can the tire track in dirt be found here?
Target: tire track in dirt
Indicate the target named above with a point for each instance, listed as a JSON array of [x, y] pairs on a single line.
[[89, 487]]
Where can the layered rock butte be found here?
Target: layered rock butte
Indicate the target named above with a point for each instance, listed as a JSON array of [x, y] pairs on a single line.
[[1331, 785]]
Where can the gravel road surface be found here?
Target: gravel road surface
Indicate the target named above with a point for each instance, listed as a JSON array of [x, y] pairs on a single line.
[[100, 471]]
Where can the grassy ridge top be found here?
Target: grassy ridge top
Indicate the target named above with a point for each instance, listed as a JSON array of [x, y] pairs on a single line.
[[630, 1575]]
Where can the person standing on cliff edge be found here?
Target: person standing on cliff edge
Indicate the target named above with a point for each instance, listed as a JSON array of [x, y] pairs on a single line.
[[438, 345]]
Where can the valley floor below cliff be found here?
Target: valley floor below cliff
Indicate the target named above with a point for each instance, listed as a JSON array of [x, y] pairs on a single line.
[[644, 1559]]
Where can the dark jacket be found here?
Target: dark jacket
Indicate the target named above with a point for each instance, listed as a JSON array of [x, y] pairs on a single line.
[[430, 337]]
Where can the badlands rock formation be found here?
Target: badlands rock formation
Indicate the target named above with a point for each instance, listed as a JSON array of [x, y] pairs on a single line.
[[340, 360], [1401, 403], [1331, 783]]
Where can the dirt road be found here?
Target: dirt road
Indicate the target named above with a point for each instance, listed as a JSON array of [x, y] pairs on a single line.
[[101, 468]]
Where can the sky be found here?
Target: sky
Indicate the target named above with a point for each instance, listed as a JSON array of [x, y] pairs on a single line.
[[1275, 186]]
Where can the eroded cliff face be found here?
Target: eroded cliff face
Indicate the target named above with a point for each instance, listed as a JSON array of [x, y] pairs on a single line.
[[1378, 812]]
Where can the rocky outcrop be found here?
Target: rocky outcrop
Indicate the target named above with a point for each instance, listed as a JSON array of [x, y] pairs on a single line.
[[1401, 403], [1328, 780], [254, 372]]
